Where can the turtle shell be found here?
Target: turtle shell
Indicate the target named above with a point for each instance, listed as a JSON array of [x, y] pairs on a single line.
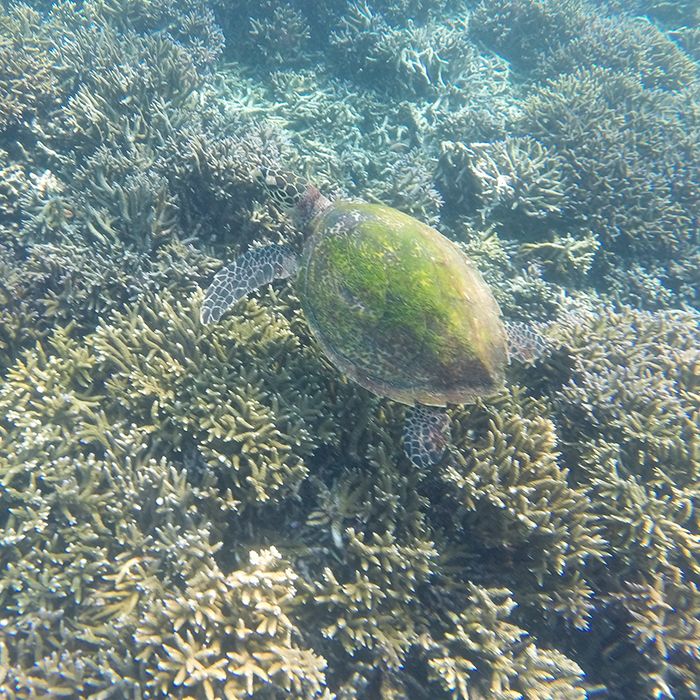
[[399, 308]]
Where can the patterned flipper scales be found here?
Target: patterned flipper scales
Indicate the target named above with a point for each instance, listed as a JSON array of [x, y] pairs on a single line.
[[425, 435], [525, 343], [248, 272]]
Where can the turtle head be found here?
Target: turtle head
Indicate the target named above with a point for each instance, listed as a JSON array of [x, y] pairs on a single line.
[[310, 205], [283, 188], [292, 193]]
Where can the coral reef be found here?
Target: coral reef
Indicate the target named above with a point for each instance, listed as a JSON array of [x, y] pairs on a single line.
[[214, 512], [640, 198], [673, 14], [554, 37], [28, 83], [86, 195], [189, 23], [623, 197], [517, 177], [633, 45], [630, 417], [616, 106], [142, 535], [523, 30]]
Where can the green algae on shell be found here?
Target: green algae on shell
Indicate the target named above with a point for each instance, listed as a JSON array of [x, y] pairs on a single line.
[[399, 308]]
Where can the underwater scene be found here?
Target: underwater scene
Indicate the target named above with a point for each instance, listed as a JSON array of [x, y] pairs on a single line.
[[350, 349]]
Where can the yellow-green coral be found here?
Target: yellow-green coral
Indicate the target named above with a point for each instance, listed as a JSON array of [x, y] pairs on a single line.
[[629, 417], [109, 534]]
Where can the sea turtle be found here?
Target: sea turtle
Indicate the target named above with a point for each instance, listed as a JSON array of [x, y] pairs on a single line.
[[395, 305]]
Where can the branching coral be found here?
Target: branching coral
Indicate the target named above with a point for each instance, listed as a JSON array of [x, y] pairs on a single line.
[[13, 185], [371, 609], [469, 660], [522, 30], [210, 388], [20, 319], [28, 84], [516, 496], [565, 257], [559, 37], [90, 215], [409, 187], [189, 23], [276, 33], [91, 248], [234, 638], [629, 158], [634, 46], [677, 13], [279, 35], [518, 176], [619, 116], [129, 529], [219, 186], [630, 417], [424, 60], [134, 105], [133, 531]]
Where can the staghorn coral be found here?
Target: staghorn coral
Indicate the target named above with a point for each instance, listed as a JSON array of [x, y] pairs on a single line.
[[559, 37], [164, 388], [626, 45], [141, 524], [20, 319], [689, 40], [351, 139], [89, 249], [190, 23], [664, 621], [132, 529], [510, 488], [423, 60], [676, 14], [639, 196], [522, 30], [468, 660], [14, 183], [517, 176], [630, 417], [152, 92], [619, 117], [90, 216], [28, 83], [408, 185], [237, 640], [280, 35], [218, 183], [372, 609], [276, 33], [129, 397]]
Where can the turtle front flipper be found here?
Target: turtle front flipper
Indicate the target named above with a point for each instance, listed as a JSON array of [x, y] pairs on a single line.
[[425, 434], [248, 272]]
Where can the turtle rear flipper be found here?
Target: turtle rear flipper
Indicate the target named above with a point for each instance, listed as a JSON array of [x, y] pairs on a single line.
[[425, 435], [248, 272], [525, 342]]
